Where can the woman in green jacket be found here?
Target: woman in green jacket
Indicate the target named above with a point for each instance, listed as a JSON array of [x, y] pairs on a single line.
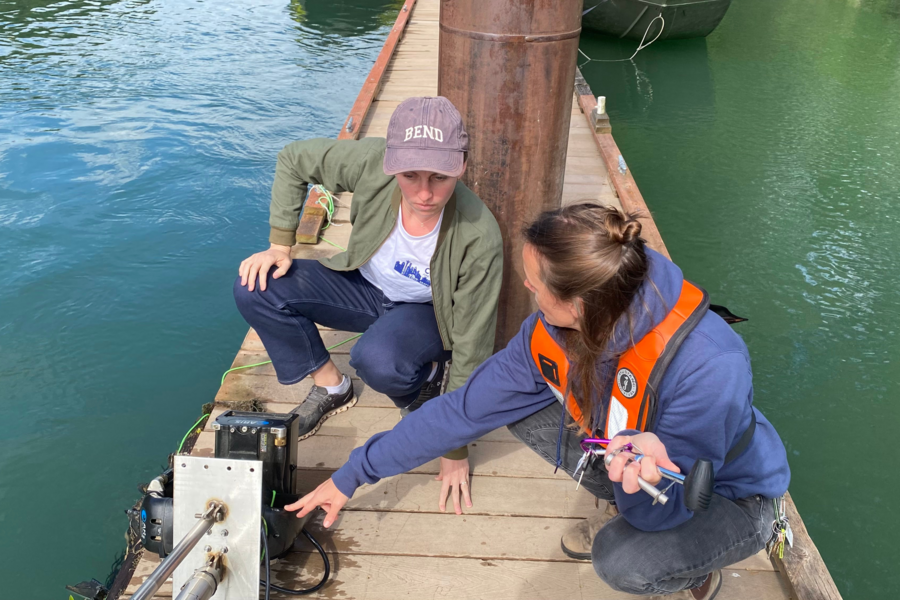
[[420, 277]]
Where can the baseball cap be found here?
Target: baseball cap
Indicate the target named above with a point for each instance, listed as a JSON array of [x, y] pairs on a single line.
[[426, 134]]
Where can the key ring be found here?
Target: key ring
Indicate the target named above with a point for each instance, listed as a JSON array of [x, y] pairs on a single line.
[[611, 454]]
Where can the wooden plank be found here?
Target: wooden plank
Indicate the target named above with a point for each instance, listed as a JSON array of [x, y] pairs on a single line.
[[357, 116], [253, 358], [330, 337], [365, 421], [487, 458], [388, 577], [484, 537], [802, 565], [240, 386], [494, 496], [449, 535], [148, 563], [378, 577]]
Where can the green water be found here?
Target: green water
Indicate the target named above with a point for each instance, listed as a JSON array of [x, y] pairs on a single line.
[[137, 145], [769, 154]]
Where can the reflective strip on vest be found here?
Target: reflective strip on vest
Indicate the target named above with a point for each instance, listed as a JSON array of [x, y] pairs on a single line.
[[633, 402]]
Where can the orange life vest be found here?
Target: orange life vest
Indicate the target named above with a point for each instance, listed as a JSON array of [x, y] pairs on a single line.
[[633, 401]]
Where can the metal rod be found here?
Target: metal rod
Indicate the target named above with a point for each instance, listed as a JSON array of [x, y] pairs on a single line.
[[203, 583], [657, 494], [179, 553]]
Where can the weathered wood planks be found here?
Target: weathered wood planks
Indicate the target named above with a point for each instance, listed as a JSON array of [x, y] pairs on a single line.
[[802, 565]]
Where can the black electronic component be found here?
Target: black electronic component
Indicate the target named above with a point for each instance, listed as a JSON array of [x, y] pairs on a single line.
[[267, 437], [157, 520]]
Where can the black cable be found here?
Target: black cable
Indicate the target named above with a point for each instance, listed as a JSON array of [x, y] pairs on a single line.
[[265, 543], [316, 587]]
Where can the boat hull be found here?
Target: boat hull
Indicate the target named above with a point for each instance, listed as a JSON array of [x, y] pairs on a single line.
[[631, 18]]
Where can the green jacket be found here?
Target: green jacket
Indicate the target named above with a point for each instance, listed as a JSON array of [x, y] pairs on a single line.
[[467, 265]]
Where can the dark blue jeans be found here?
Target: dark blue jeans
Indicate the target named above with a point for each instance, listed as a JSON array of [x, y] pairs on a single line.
[[660, 562], [394, 355]]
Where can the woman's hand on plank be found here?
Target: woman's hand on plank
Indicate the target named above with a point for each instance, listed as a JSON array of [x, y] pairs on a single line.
[[454, 478], [327, 496]]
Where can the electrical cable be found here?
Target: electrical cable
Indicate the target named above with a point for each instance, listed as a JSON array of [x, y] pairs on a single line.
[[268, 362], [263, 532], [194, 426], [311, 590], [328, 205]]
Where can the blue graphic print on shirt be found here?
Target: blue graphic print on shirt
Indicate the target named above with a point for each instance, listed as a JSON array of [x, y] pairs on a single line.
[[407, 269]]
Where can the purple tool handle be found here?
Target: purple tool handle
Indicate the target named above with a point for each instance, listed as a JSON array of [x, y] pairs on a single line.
[[588, 441]]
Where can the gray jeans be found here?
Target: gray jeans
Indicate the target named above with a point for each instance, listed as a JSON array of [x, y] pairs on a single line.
[[662, 562]]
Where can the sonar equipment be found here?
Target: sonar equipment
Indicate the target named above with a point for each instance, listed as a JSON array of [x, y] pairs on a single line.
[[226, 512]]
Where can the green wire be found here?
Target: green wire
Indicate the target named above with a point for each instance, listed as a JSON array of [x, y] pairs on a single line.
[[272, 503], [181, 445], [329, 207], [268, 362], [349, 339], [329, 210], [184, 439], [339, 247]]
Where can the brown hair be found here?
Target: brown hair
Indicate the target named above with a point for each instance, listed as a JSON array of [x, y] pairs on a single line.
[[593, 253]]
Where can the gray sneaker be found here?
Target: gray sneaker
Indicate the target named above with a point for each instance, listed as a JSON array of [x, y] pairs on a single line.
[[318, 406], [431, 389]]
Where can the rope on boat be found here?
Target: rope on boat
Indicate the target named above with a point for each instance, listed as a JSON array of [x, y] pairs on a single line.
[[640, 47]]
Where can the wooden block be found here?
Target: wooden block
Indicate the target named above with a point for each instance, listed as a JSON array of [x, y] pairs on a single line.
[[311, 224]]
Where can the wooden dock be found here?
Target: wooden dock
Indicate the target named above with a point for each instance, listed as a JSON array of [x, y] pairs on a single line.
[[391, 541]]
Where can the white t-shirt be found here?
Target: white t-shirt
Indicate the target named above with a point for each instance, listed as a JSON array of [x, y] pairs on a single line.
[[401, 268]]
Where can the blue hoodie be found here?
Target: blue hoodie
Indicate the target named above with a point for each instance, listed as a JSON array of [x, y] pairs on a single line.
[[705, 399]]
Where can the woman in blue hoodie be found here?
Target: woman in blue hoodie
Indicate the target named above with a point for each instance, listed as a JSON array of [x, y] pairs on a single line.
[[624, 348]]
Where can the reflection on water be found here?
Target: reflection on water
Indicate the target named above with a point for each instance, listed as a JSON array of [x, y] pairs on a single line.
[[344, 18], [137, 145], [771, 160], [676, 81]]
